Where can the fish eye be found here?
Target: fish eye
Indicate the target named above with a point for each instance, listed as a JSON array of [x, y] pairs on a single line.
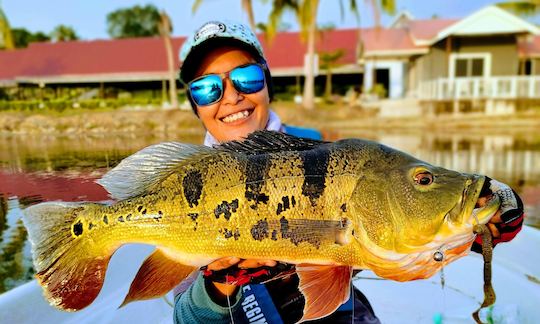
[[423, 178]]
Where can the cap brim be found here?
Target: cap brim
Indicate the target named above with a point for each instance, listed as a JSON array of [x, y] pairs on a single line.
[[189, 66]]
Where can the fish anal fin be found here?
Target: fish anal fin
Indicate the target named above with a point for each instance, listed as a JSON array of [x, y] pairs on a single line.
[[324, 288], [158, 275]]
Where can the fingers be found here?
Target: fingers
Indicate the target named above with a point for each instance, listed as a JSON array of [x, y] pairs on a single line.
[[223, 263], [227, 262], [256, 263], [494, 230]]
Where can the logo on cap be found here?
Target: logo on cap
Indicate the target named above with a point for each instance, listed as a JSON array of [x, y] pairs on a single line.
[[210, 29]]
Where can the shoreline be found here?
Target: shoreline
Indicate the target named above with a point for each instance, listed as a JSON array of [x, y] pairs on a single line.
[[330, 119]]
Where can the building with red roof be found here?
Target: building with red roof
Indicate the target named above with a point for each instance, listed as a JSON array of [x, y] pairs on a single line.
[[486, 57]]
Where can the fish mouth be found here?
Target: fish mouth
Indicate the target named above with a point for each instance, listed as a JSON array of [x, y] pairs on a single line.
[[453, 240], [465, 211]]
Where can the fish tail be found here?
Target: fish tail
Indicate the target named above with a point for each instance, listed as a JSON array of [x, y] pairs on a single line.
[[69, 267]]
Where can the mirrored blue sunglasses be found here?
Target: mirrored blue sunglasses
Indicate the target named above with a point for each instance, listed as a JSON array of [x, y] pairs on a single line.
[[208, 89]]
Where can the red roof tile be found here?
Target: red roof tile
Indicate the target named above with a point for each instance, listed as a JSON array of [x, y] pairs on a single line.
[[427, 29], [386, 39]]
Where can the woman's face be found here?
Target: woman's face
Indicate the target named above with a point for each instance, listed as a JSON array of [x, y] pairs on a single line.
[[236, 114]]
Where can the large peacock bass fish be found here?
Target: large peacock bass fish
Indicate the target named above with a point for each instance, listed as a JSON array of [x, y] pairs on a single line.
[[327, 207]]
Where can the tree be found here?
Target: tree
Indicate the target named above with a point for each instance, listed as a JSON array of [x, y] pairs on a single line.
[[22, 37], [522, 8], [246, 6], [63, 33], [306, 13], [6, 39], [165, 28], [136, 21], [329, 62]]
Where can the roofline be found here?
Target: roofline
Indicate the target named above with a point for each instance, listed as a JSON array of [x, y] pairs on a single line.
[[95, 78], [452, 28], [405, 13], [407, 52]]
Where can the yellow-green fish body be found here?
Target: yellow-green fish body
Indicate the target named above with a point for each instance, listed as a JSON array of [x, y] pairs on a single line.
[[348, 204]]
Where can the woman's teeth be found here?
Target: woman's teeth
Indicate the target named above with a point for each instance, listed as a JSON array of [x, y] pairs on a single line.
[[236, 116]]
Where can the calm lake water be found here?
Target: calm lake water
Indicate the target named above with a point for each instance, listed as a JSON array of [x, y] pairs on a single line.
[[35, 169]]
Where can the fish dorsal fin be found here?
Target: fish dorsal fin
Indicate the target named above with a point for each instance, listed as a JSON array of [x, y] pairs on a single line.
[[139, 172], [269, 142]]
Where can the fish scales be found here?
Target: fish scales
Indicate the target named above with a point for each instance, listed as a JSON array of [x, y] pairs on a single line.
[[351, 203]]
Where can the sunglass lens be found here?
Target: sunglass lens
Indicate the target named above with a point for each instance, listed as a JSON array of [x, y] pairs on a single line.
[[207, 90], [248, 79]]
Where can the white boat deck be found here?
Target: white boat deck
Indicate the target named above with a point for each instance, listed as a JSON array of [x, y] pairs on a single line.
[[516, 274]]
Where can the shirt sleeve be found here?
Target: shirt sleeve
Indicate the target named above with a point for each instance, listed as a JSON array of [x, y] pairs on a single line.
[[196, 306]]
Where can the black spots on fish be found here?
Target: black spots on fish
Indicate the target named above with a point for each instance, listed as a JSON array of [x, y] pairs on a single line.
[[143, 211], [193, 216], [128, 217], [139, 208], [259, 231], [227, 233], [256, 171], [193, 186], [343, 207], [315, 165], [159, 216], [274, 235], [121, 219], [78, 228], [293, 201], [284, 227], [257, 198], [91, 225], [106, 220], [283, 205], [369, 164], [195, 227], [226, 209]]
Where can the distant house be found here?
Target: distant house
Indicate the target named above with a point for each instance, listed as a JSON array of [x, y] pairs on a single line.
[[487, 62]]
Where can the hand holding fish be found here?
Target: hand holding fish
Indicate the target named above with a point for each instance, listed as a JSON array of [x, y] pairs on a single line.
[[508, 220], [219, 288]]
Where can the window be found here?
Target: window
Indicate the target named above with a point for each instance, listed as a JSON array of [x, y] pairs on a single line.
[[469, 65]]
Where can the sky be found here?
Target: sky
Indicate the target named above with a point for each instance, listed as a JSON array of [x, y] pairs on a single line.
[[88, 18]]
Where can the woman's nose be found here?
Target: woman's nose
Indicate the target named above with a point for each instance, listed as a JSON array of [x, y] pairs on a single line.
[[230, 94]]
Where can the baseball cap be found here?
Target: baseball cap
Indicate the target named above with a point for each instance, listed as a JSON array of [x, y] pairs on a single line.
[[214, 31]]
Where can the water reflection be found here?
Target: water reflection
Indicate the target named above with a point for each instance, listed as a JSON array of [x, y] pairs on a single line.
[[34, 169]]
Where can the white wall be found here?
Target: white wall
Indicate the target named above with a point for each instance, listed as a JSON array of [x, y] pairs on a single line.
[[397, 76]]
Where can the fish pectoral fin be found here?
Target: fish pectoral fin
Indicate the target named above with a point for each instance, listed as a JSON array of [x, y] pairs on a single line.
[[324, 288], [158, 275]]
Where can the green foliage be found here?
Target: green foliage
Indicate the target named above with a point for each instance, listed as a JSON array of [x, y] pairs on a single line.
[[379, 90], [60, 105], [22, 37], [137, 21], [522, 8], [6, 39], [63, 33]]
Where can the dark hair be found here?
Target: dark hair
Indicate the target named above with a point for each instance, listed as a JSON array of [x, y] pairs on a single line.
[[189, 69]]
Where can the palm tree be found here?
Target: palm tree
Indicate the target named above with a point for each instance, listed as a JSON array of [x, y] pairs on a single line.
[[63, 33], [329, 62], [6, 39], [522, 8], [246, 6], [306, 14], [165, 29]]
